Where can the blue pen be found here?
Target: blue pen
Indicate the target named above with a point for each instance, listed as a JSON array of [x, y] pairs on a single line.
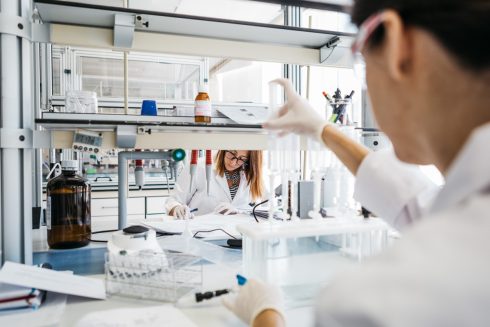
[[241, 280], [194, 210]]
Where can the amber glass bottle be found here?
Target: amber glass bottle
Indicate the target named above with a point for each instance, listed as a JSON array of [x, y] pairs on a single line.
[[68, 208], [202, 106]]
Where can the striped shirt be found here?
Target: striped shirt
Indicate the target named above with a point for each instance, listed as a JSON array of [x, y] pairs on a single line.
[[234, 178]]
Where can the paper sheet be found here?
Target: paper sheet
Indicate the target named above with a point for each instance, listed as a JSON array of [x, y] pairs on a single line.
[[48, 314], [158, 316], [245, 115], [203, 223], [51, 280]]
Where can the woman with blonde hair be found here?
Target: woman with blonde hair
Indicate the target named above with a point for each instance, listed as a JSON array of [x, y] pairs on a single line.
[[235, 184]]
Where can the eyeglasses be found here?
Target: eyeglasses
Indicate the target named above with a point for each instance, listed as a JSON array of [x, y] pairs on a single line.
[[237, 160], [365, 31]]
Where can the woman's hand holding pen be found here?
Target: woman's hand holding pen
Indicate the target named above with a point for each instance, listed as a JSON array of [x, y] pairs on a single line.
[[182, 212], [296, 115]]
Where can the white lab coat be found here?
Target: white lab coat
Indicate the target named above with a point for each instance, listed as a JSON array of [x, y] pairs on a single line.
[[438, 274], [196, 197], [398, 192]]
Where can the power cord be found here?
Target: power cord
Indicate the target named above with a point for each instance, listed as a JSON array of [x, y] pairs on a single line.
[[253, 210], [213, 230], [101, 232], [160, 234]]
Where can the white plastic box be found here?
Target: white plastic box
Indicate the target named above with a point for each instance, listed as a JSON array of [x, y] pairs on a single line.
[[81, 102], [303, 256]]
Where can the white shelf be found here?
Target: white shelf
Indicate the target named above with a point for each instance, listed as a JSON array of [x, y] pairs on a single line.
[[91, 25], [166, 132]]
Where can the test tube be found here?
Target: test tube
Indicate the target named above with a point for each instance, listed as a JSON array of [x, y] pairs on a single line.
[[274, 148], [317, 161], [294, 171]]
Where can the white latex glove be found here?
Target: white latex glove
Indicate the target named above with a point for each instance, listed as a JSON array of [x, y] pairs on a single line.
[[253, 298], [182, 212], [226, 209], [296, 115]]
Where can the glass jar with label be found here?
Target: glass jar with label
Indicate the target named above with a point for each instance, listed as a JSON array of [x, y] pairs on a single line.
[[68, 215], [202, 105]]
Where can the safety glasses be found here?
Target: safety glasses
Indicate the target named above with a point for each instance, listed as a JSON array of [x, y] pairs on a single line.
[[366, 30], [236, 160]]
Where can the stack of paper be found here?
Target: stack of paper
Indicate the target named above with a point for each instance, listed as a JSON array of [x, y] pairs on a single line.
[[14, 298]]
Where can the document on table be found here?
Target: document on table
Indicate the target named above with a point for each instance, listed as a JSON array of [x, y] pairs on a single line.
[[164, 315], [203, 223], [48, 314], [51, 280]]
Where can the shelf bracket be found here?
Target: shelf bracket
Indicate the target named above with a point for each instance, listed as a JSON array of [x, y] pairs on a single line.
[[123, 30], [126, 136], [329, 47], [13, 138]]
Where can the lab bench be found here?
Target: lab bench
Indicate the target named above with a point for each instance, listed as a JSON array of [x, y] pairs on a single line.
[[214, 277], [89, 260]]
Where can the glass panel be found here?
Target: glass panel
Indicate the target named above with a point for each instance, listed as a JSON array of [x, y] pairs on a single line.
[[56, 75], [147, 79], [241, 81], [250, 11], [327, 20], [102, 75], [162, 80]]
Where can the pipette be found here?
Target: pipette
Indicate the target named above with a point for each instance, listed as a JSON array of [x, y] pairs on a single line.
[[139, 173], [193, 168], [209, 169]]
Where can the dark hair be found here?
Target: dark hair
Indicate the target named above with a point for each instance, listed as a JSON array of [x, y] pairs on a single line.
[[462, 26]]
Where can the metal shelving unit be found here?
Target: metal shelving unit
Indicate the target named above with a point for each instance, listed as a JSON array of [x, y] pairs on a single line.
[[88, 25], [97, 26]]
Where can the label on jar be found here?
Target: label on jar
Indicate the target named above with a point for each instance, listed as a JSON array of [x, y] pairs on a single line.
[[48, 213], [202, 108]]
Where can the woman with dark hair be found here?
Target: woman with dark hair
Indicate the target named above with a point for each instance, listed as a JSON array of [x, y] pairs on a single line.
[[428, 76], [236, 183]]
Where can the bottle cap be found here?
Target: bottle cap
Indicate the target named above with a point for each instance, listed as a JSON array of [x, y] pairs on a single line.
[[69, 165], [203, 88]]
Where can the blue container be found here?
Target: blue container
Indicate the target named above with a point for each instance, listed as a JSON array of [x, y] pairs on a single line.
[[149, 108]]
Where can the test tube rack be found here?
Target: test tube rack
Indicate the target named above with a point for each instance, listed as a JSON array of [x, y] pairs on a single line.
[[154, 276]]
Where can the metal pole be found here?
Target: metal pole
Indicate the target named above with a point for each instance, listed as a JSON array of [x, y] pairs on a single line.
[[27, 155], [11, 163], [292, 17], [126, 74], [122, 174]]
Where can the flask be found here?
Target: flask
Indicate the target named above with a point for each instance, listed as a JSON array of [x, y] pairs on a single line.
[[68, 208], [202, 105]]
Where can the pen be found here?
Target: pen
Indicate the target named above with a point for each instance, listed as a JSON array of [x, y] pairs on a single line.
[[325, 94], [201, 296], [341, 112], [194, 210]]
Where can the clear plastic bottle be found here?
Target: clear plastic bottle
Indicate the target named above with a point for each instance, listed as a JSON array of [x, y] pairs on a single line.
[[68, 215], [202, 105]]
